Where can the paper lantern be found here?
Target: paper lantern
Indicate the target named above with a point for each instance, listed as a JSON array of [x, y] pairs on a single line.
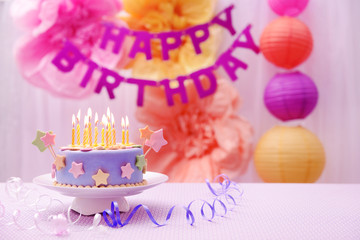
[[286, 42], [290, 96], [290, 8], [289, 155]]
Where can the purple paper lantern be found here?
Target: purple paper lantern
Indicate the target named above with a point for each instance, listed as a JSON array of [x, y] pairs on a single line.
[[290, 96], [290, 8]]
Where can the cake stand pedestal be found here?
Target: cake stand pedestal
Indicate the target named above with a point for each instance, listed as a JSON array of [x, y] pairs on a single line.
[[91, 206], [89, 201]]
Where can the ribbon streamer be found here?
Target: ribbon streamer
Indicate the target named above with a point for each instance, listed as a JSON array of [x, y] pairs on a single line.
[[58, 224], [226, 187]]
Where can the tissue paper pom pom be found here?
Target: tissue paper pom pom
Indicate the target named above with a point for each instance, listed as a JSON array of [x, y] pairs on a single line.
[[205, 137], [162, 15], [286, 42], [165, 15], [290, 8], [48, 24], [182, 60], [289, 155], [290, 96]]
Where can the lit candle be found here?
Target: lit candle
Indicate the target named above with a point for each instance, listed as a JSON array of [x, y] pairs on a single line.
[[96, 129], [103, 123], [113, 130], [85, 132], [89, 127], [127, 130], [123, 130], [78, 127], [108, 133], [73, 131]]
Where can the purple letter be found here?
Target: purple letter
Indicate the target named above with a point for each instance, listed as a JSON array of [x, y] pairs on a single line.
[[171, 91], [225, 61], [66, 59], [110, 36], [141, 83], [249, 41], [196, 76], [109, 86], [141, 44], [89, 73], [227, 23], [197, 40], [166, 46]]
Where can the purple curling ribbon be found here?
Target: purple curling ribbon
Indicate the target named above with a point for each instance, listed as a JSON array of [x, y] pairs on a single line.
[[112, 217]]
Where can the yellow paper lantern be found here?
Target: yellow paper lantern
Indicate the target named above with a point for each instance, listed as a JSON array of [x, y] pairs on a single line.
[[289, 155]]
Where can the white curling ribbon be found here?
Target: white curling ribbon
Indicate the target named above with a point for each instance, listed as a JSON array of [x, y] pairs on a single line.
[[2, 211], [16, 216], [59, 225], [96, 221], [56, 224], [13, 186], [69, 218]]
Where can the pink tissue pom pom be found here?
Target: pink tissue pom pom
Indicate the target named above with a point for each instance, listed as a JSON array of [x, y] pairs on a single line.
[[205, 137], [48, 24]]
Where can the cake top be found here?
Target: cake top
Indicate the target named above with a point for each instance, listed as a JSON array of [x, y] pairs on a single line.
[[100, 135]]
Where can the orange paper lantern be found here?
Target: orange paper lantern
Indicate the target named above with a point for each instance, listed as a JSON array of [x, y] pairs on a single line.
[[289, 155], [286, 42]]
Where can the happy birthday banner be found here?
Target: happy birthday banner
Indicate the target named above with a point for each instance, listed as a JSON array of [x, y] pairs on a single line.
[[70, 55]]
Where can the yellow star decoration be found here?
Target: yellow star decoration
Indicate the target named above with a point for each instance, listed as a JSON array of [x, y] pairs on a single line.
[[100, 178], [145, 132], [59, 162]]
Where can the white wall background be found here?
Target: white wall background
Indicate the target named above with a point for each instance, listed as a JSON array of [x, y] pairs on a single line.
[[334, 66]]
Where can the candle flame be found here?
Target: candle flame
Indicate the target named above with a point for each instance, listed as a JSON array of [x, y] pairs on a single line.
[[73, 120], [78, 116], [104, 121], [89, 113], [112, 121], [96, 119], [85, 121], [127, 122], [122, 122], [108, 114]]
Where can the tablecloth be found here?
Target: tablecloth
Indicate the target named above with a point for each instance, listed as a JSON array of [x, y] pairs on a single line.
[[266, 211]]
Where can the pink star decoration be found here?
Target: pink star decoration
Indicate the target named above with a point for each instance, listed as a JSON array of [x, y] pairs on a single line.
[[156, 140], [48, 139], [127, 170], [76, 169]]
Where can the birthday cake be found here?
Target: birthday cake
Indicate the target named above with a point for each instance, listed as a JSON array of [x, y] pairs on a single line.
[[106, 163]]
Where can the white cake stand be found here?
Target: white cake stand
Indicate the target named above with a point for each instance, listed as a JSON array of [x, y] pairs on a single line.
[[89, 201]]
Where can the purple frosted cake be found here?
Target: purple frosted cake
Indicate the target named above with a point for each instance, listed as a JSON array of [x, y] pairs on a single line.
[[105, 163], [118, 167]]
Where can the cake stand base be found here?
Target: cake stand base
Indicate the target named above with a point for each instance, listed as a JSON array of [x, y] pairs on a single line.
[[91, 206]]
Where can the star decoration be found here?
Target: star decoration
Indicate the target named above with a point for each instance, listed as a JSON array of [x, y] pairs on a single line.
[[48, 139], [37, 142], [156, 140], [140, 162], [100, 177], [59, 162], [76, 169], [127, 170], [145, 132]]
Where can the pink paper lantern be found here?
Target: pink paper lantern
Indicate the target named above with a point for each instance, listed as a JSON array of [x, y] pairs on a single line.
[[290, 8], [290, 96]]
